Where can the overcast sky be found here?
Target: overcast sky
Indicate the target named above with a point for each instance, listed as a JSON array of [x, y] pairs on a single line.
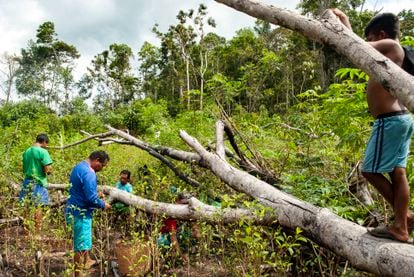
[[92, 25]]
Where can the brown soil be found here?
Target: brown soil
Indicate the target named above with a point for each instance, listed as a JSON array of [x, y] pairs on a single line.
[[27, 255]]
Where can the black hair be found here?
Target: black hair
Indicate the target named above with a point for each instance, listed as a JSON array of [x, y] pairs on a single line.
[[41, 138], [99, 155], [387, 22], [181, 196], [126, 172]]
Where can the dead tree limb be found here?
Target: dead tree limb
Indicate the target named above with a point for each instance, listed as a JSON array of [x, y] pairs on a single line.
[[259, 170], [347, 239], [96, 136], [144, 146], [328, 30], [194, 210], [130, 140], [162, 152]]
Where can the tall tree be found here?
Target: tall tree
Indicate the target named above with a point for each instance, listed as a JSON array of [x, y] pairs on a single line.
[[187, 56], [46, 68], [8, 70], [112, 77], [150, 59], [177, 43], [200, 21]]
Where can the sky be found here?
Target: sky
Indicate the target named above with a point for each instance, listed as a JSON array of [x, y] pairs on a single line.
[[92, 25]]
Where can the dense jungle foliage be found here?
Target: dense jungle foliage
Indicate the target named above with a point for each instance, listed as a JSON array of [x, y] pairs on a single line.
[[296, 104]]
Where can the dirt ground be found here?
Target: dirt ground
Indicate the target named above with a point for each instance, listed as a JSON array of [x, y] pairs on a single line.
[[26, 255]]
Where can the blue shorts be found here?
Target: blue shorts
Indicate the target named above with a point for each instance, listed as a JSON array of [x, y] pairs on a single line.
[[164, 240], [389, 144], [81, 227], [38, 193]]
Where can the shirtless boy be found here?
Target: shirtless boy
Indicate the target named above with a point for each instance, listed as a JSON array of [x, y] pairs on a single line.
[[388, 146]]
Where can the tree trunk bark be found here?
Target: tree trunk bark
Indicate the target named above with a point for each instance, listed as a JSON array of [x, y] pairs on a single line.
[[328, 30], [347, 239], [193, 210]]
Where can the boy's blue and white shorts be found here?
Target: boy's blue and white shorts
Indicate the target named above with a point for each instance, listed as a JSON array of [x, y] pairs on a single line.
[[389, 143], [82, 231]]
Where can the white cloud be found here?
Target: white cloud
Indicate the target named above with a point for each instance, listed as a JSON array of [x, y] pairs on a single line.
[[16, 27]]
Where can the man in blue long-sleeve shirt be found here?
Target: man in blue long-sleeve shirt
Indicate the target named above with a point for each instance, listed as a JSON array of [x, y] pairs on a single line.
[[81, 203]]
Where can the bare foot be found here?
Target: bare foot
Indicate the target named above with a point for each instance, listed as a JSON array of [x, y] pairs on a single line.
[[390, 233], [410, 217], [399, 234]]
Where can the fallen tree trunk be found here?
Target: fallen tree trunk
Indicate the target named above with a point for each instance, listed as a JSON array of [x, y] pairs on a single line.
[[345, 238], [193, 210], [328, 30]]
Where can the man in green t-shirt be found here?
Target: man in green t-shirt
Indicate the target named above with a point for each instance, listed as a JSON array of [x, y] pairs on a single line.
[[36, 166]]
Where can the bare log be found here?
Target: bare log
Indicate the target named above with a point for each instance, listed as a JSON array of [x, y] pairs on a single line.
[[347, 239], [180, 155], [58, 186], [328, 30], [194, 210]]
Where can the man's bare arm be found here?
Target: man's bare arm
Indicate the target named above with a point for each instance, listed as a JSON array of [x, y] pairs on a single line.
[[48, 169], [389, 48], [342, 17]]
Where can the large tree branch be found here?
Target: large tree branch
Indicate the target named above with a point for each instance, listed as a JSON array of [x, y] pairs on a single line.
[[194, 210], [328, 30], [11, 221], [153, 151], [96, 136], [144, 146], [345, 238], [160, 152], [220, 150]]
